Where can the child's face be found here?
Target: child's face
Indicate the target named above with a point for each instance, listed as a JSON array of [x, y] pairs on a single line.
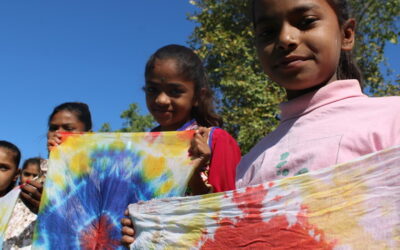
[[31, 171], [8, 170], [65, 121], [298, 42], [169, 97]]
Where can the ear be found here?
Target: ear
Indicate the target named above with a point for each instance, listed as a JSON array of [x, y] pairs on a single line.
[[348, 34], [201, 95], [17, 174]]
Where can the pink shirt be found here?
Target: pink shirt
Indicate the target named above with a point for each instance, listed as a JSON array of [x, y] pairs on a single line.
[[334, 124]]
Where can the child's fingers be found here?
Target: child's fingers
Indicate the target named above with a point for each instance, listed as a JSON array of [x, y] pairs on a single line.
[[33, 189], [127, 240], [126, 213], [126, 222], [128, 231], [31, 198]]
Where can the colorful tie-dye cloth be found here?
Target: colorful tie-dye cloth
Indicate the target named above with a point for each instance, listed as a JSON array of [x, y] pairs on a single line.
[[7, 204], [93, 177], [355, 205]]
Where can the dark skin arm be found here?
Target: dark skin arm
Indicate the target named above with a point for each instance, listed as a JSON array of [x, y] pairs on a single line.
[[31, 193], [201, 155]]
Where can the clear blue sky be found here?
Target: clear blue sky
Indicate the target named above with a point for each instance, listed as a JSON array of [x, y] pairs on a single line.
[[92, 51]]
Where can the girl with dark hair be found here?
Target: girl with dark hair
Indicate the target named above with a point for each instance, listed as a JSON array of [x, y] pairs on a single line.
[[10, 156], [22, 222], [179, 98], [31, 170], [66, 117], [305, 46]]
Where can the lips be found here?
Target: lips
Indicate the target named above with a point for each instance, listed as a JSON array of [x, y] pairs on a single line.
[[291, 61], [161, 112]]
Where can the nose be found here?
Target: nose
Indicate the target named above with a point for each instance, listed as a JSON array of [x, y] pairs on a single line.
[[163, 99], [288, 38]]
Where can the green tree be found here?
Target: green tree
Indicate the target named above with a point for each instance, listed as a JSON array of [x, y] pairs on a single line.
[[247, 99], [133, 121]]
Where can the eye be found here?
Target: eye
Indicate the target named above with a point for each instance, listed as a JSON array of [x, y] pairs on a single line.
[[4, 167], [265, 34], [175, 92], [68, 128], [307, 22], [53, 127], [149, 90]]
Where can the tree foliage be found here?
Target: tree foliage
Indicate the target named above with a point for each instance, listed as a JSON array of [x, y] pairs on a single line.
[[133, 121], [247, 99]]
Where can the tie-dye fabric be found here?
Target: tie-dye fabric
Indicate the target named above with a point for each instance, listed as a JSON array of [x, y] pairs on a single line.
[[7, 204], [93, 177], [349, 206]]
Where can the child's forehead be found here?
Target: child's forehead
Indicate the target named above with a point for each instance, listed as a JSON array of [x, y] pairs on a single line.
[[283, 6], [7, 156], [32, 166]]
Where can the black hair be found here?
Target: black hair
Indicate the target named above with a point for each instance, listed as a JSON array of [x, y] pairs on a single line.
[[191, 68], [347, 68], [79, 108], [34, 160], [14, 149]]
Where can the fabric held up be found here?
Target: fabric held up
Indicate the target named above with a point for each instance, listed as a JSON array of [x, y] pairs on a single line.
[[354, 205], [7, 204], [93, 177]]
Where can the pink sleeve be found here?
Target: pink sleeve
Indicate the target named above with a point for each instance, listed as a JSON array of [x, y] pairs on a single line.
[[224, 160]]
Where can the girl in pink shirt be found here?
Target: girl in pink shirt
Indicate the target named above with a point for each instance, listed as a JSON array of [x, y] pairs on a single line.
[[305, 46]]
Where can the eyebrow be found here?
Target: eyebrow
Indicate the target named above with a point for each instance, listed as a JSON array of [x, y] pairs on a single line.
[[298, 9], [168, 84]]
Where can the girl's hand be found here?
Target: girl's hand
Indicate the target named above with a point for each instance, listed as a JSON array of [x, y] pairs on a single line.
[[127, 230], [201, 155], [53, 140], [199, 149], [31, 193]]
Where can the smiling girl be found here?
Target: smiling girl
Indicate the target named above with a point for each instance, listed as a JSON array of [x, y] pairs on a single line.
[[305, 46], [179, 98]]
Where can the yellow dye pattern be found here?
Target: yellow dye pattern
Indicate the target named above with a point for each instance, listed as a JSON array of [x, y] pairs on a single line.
[[165, 187], [337, 207], [3, 226], [118, 145], [198, 221], [80, 164], [153, 167], [75, 141]]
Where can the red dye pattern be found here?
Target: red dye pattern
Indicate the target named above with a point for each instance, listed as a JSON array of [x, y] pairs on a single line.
[[185, 135], [65, 135], [271, 184], [251, 232], [277, 198], [97, 235], [151, 137]]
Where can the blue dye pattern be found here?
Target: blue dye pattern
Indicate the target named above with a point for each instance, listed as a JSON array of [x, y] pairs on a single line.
[[105, 191]]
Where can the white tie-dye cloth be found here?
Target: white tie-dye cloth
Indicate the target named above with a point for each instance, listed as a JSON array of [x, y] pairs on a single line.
[[7, 204], [355, 205]]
